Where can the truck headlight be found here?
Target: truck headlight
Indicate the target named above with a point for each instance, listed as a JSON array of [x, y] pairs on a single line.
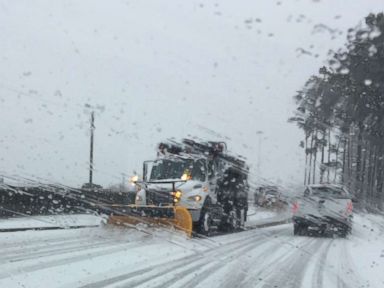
[[195, 198], [177, 194]]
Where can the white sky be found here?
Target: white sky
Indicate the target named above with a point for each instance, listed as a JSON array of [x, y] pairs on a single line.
[[158, 69]]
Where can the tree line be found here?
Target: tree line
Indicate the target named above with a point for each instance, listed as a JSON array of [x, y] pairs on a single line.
[[341, 111]]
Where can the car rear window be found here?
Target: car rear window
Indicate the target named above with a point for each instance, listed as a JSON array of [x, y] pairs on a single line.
[[330, 192]]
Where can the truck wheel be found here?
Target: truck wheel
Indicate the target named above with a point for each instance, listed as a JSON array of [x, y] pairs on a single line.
[[345, 231], [242, 214], [295, 229], [343, 234], [205, 223], [204, 226], [299, 229], [234, 221]]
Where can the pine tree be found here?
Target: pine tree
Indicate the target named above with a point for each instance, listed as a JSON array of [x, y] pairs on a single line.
[[344, 104]]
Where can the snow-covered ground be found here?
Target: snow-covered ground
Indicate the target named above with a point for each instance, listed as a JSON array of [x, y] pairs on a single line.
[[53, 221], [261, 257], [258, 217]]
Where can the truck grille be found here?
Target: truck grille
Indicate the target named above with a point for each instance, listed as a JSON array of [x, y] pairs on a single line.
[[159, 198]]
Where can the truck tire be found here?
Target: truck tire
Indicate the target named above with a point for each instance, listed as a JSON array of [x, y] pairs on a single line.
[[345, 231], [299, 229], [295, 229], [204, 226], [234, 223], [242, 215], [205, 223]]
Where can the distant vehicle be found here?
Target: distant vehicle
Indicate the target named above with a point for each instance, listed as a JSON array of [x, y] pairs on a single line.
[[269, 197], [323, 209]]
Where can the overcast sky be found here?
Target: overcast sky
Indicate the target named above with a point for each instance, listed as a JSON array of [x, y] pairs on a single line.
[[158, 69]]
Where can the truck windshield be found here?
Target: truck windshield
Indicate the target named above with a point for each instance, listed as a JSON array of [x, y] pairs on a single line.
[[330, 192], [176, 168]]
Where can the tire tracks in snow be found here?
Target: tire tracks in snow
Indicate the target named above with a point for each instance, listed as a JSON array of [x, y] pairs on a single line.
[[295, 266], [209, 267], [275, 263], [350, 270], [206, 266], [35, 243], [160, 269], [290, 270], [237, 276], [187, 263], [52, 252], [318, 276], [84, 254], [269, 274], [44, 247]]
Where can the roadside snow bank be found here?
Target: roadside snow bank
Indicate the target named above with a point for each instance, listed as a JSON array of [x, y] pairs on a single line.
[[258, 216], [52, 221]]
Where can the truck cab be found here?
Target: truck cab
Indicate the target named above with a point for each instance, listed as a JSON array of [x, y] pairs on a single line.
[[179, 181]]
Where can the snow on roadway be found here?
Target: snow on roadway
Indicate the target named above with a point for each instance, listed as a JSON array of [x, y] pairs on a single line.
[[265, 257]]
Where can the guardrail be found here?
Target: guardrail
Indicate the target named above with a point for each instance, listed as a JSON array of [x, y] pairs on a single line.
[[51, 201]]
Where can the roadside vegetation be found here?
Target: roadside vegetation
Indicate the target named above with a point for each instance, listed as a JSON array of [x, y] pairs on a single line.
[[341, 111]]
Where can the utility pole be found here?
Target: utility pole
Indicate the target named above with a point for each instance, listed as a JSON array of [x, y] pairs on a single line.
[[91, 150], [122, 186]]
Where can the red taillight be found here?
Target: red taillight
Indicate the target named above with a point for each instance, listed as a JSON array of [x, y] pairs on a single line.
[[349, 207], [295, 207]]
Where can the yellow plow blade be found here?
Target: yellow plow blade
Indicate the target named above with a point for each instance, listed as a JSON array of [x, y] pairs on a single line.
[[180, 219]]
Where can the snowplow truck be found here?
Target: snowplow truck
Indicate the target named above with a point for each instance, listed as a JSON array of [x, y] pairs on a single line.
[[196, 187]]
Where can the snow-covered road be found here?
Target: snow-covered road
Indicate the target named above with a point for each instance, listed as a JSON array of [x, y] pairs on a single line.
[[265, 257]]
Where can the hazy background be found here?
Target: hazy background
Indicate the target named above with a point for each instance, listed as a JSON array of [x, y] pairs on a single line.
[[158, 69]]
